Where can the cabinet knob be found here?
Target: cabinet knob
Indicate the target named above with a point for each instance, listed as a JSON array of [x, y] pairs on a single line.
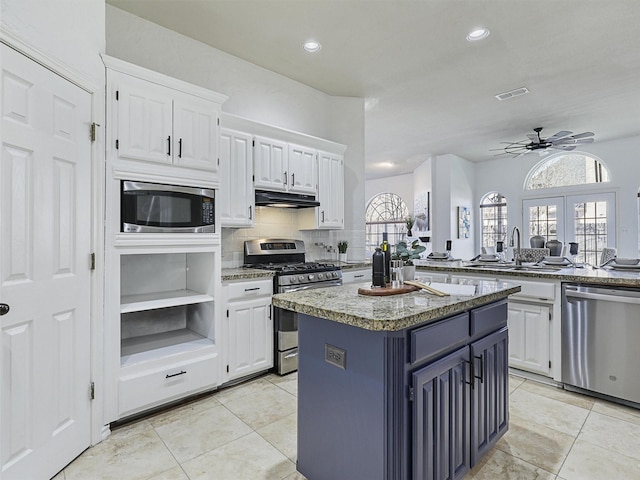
[[4, 309]]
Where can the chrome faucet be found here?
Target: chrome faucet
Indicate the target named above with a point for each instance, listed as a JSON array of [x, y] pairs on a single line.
[[516, 252]]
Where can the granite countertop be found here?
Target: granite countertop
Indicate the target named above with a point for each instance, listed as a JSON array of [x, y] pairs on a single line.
[[388, 313], [587, 274], [242, 273]]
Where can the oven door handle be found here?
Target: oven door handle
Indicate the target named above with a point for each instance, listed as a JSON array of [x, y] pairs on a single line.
[[334, 283], [291, 355]]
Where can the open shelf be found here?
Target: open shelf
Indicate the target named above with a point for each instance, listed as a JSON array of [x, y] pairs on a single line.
[[149, 301], [159, 345]]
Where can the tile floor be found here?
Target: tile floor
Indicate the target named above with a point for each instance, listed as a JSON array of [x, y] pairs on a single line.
[[248, 432]]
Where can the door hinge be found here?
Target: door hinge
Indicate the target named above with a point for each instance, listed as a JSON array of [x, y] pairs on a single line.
[[92, 391], [117, 144], [117, 95], [411, 394], [92, 265], [93, 131]]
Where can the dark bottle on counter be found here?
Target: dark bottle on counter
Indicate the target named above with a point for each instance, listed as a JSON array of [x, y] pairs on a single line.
[[386, 251], [377, 261]]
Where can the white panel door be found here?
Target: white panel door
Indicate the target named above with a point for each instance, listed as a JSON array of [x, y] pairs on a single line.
[[529, 332], [236, 199], [303, 170], [195, 127], [45, 178], [250, 337], [144, 120], [270, 164]]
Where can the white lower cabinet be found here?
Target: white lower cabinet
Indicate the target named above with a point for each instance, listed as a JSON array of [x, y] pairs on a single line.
[[529, 341], [249, 327]]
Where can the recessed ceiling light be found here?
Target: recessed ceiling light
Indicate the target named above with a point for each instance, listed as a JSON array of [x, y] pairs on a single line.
[[312, 46], [478, 34]]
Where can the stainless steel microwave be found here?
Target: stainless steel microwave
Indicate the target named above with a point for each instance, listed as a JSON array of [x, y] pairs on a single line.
[[157, 208]]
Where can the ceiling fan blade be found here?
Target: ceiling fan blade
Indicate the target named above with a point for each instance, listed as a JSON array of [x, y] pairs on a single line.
[[582, 135], [585, 140], [565, 147], [558, 135], [571, 141]]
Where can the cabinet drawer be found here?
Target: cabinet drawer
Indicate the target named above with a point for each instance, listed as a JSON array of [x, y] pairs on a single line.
[[488, 318], [142, 390], [254, 288], [537, 290], [434, 340]]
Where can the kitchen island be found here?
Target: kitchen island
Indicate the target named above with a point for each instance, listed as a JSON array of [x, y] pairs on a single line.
[[405, 387]]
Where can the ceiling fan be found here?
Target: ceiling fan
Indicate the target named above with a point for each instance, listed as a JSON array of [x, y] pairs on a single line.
[[563, 140]]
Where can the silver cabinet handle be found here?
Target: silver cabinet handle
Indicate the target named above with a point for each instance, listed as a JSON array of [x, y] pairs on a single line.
[[285, 178], [322, 216], [250, 213], [291, 355]]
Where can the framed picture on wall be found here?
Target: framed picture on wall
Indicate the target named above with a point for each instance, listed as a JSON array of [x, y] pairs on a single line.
[[422, 211], [464, 222]]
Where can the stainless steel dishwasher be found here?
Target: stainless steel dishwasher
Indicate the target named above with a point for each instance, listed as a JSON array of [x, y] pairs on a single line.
[[601, 340]]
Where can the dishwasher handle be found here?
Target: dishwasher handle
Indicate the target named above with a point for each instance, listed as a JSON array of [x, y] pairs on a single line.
[[607, 297]]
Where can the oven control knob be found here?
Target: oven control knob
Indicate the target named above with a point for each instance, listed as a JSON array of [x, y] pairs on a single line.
[[335, 274], [320, 276], [301, 278], [311, 276]]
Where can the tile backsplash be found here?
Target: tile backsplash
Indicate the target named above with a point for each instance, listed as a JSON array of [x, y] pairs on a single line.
[[283, 223]]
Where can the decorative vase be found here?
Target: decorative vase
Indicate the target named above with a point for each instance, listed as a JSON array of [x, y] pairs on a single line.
[[342, 257], [409, 234], [409, 272]]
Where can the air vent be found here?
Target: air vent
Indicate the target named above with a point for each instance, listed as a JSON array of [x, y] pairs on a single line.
[[512, 93]]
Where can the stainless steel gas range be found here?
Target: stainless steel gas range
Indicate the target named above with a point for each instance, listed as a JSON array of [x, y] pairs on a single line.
[[287, 259]]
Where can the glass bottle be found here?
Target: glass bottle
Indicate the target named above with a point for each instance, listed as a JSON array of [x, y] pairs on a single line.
[[377, 274]]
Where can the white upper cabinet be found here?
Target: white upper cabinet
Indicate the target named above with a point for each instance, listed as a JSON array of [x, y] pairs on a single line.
[[235, 201], [284, 167], [195, 124], [145, 117], [331, 190], [303, 167], [270, 164], [158, 120]]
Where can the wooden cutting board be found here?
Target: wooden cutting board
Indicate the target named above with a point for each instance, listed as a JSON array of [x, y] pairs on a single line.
[[384, 291]]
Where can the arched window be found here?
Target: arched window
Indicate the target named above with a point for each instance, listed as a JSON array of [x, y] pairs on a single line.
[[385, 214], [587, 219], [493, 212], [566, 169]]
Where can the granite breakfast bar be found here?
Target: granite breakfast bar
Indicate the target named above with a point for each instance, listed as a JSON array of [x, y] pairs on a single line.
[[404, 387]]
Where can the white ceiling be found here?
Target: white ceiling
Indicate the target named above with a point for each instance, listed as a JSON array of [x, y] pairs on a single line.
[[428, 91]]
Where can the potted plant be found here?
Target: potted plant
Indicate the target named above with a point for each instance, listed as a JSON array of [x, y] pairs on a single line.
[[342, 250], [409, 221], [407, 255]]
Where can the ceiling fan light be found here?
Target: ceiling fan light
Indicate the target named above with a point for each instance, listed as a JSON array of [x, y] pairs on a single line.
[[478, 34], [312, 46]]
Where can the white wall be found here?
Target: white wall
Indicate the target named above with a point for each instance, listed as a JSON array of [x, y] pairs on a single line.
[[401, 185], [259, 95], [70, 31], [507, 176]]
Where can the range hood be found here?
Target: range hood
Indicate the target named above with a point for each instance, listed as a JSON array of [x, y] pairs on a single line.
[[285, 200]]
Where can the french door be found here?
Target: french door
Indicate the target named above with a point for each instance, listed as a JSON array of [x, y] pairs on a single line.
[[45, 202], [587, 219]]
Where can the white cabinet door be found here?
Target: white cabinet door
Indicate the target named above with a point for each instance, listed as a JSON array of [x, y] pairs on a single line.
[[45, 198], [330, 190], [195, 124], [303, 170], [529, 330], [236, 199], [270, 164], [144, 120], [250, 340]]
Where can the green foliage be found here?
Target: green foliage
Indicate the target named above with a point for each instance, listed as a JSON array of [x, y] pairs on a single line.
[[342, 246], [409, 221], [408, 254]]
